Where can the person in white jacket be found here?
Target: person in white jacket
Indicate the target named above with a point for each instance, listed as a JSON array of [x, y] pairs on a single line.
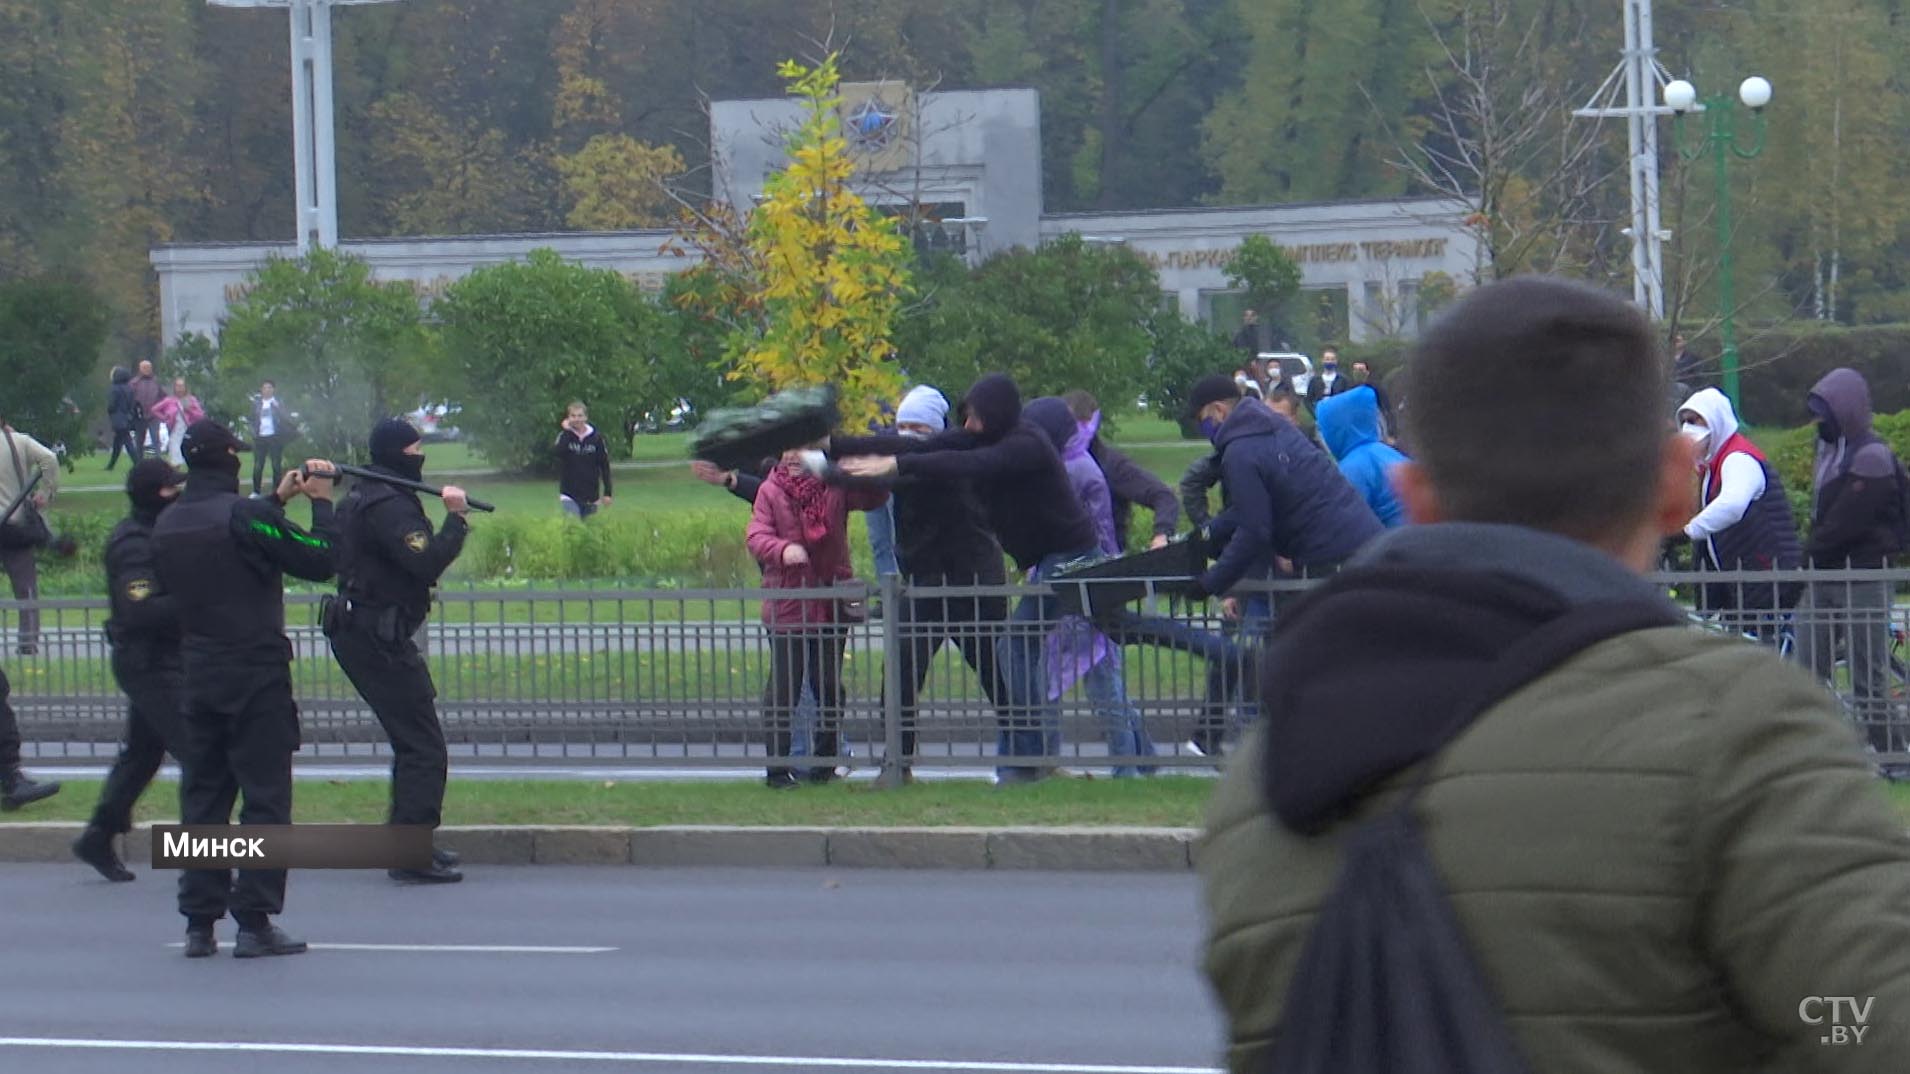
[[1744, 521]]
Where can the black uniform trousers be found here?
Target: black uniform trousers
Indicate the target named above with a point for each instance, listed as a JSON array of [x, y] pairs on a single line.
[[975, 625], [394, 680], [153, 684], [9, 728], [241, 743], [812, 653]]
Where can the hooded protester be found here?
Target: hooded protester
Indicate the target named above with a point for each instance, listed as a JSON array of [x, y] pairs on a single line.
[[1857, 522], [1128, 482], [389, 559], [1649, 842], [144, 632], [1350, 425], [943, 540], [1745, 523], [1030, 506], [1075, 651]]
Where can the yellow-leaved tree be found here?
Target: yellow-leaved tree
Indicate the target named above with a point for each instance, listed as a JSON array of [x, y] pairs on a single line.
[[831, 271]]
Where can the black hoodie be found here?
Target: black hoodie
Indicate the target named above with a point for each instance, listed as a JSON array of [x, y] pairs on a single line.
[[1013, 467], [1379, 668]]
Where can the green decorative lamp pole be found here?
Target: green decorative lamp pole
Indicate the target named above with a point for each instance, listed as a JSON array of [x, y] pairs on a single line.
[[1721, 142]]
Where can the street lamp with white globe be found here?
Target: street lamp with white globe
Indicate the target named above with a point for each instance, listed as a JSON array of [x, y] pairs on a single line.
[[1720, 140]]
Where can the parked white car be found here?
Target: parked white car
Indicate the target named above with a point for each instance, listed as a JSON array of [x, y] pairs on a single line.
[[434, 422]]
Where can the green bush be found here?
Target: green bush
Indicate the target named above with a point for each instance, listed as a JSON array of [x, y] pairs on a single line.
[[344, 349], [523, 340], [692, 549], [51, 332], [1780, 367]]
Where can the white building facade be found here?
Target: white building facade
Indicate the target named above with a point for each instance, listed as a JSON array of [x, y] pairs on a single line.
[[969, 162]]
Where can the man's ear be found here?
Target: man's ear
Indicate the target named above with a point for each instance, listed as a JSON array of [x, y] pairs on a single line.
[[1416, 492], [1673, 508]]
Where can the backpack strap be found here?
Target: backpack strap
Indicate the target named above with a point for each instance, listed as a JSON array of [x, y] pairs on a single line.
[[1532, 656]]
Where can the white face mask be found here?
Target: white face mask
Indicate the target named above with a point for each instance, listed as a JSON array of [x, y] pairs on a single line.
[[1697, 434], [914, 434]]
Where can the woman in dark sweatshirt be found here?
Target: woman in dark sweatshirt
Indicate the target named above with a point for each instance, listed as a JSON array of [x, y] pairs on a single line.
[[1031, 507]]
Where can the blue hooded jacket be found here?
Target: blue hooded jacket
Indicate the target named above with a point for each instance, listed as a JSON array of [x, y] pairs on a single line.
[[1349, 423]]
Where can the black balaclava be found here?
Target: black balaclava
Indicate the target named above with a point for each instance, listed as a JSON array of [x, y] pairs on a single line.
[[389, 439], [144, 484], [997, 402], [211, 446]]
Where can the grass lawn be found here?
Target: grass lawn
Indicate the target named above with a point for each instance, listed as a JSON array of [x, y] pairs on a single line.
[[1166, 801], [1171, 802]]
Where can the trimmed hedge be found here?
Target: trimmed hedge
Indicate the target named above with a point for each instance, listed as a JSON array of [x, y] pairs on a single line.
[[1779, 368]]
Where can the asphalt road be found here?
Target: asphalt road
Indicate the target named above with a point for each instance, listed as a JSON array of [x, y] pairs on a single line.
[[706, 970]]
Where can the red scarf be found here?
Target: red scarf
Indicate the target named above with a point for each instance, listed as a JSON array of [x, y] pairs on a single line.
[[811, 497]]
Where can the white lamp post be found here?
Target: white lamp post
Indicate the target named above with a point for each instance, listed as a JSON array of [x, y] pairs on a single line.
[[313, 152]]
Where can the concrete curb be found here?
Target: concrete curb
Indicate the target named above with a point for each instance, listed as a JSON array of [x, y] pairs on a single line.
[[1064, 849]]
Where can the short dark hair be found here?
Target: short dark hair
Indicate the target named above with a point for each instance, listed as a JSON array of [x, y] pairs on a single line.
[[1282, 393], [267, 384], [1081, 404], [1539, 402]]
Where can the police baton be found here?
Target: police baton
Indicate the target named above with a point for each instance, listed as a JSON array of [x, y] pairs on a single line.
[[21, 500], [399, 482]]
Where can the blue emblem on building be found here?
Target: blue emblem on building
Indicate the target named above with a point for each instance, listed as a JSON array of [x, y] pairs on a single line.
[[872, 127]]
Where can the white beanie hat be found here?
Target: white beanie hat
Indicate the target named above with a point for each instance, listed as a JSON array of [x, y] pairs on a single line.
[[923, 406]]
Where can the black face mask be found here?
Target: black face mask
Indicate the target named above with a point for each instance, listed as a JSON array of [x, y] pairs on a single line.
[[1827, 432], [411, 466]]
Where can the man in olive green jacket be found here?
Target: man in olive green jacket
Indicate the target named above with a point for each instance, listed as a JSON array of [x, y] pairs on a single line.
[[1667, 853]]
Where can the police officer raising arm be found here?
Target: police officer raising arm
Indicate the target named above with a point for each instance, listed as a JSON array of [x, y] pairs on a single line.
[[388, 560], [223, 559]]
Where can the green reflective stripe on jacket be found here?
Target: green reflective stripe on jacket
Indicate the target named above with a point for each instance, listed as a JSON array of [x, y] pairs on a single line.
[[278, 534]]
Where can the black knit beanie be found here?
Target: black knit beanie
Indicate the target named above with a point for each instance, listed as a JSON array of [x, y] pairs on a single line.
[[389, 439]]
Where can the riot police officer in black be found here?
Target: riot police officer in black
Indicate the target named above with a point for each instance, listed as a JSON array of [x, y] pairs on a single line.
[[223, 559], [389, 559], [144, 633]]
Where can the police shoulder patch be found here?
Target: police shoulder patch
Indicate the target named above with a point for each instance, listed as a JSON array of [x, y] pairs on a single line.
[[417, 540], [139, 589]]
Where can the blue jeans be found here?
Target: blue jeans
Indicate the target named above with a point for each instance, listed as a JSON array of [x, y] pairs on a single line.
[[1033, 722], [1228, 668], [882, 538], [1106, 687]]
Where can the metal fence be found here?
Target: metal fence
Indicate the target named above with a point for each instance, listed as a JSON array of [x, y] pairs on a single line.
[[682, 679]]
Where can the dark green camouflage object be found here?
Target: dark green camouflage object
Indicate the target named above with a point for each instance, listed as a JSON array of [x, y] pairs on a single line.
[[742, 437]]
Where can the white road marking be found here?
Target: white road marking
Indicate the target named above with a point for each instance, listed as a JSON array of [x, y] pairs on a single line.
[[486, 949], [654, 1058]]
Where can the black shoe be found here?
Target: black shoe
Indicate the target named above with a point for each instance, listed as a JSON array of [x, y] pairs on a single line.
[[28, 649], [95, 848], [201, 943], [267, 941], [820, 775], [18, 789], [443, 858], [782, 781], [437, 874]]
